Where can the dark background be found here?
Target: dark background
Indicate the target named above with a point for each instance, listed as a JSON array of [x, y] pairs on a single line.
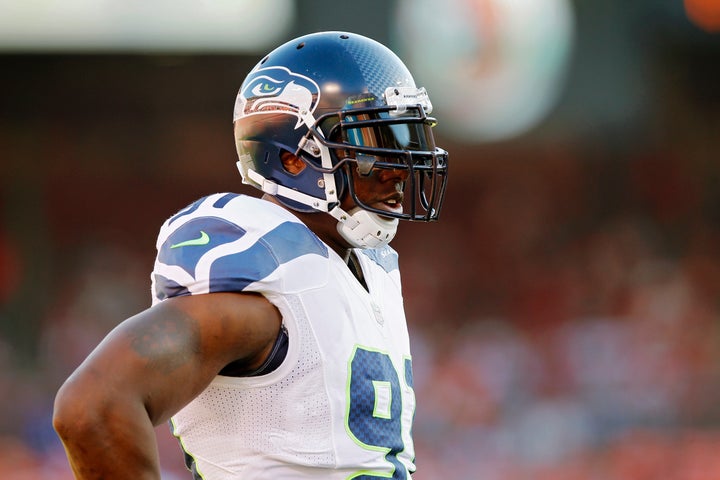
[[564, 310]]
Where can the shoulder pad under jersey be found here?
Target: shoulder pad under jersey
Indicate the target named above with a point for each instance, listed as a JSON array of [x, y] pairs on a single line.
[[226, 242]]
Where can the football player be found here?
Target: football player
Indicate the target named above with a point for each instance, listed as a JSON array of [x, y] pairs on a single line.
[[276, 345]]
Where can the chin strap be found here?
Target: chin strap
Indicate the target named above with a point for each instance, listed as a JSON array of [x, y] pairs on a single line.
[[273, 188], [363, 229]]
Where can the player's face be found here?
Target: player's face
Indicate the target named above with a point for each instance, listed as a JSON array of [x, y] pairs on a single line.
[[381, 189]]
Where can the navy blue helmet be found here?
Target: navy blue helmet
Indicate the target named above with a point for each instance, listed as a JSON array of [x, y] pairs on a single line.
[[339, 101]]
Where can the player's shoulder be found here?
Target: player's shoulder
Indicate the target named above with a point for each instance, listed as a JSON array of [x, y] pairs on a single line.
[[223, 217], [228, 242], [220, 211]]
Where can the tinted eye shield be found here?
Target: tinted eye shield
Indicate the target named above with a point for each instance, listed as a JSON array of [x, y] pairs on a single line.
[[376, 137]]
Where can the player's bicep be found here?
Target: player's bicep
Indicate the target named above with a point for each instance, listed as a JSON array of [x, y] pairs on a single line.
[[166, 355], [151, 359], [163, 360]]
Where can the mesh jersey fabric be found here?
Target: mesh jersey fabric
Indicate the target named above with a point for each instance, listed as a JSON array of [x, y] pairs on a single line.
[[341, 404]]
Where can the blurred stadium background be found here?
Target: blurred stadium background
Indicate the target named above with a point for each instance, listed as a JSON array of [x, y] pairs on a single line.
[[565, 311]]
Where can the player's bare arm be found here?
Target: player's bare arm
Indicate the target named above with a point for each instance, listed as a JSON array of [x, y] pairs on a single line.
[[148, 368], [342, 150]]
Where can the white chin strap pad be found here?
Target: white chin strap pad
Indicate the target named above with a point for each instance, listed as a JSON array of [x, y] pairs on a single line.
[[363, 229]]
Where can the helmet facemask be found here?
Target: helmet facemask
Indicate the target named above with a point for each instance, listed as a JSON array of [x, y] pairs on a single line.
[[362, 141]]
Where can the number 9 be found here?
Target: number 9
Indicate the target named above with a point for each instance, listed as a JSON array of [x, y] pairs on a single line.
[[374, 415]]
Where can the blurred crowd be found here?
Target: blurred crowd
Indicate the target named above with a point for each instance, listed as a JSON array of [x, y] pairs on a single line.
[[564, 317], [573, 332], [564, 313]]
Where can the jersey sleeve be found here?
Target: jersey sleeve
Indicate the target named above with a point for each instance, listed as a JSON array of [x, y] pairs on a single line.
[[223, 246]]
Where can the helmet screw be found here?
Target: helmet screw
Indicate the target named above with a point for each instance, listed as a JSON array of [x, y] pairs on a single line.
[[321, 183]]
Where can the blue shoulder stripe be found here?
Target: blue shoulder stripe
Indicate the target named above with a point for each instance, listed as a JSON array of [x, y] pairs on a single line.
[[187, 210], [219, 203], [234, 271], [165, 288], [222, 201], [286, 242], [186, 245]]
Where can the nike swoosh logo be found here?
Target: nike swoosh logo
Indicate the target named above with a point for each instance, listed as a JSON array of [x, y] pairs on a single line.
[[203, 239]]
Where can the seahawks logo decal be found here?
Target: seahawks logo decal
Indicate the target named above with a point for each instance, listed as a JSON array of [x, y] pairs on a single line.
[[278, 90]]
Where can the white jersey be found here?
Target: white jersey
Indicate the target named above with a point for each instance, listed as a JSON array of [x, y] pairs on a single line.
[[341, 403]]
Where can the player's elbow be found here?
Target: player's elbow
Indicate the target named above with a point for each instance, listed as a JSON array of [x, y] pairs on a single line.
[[74, 414]]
